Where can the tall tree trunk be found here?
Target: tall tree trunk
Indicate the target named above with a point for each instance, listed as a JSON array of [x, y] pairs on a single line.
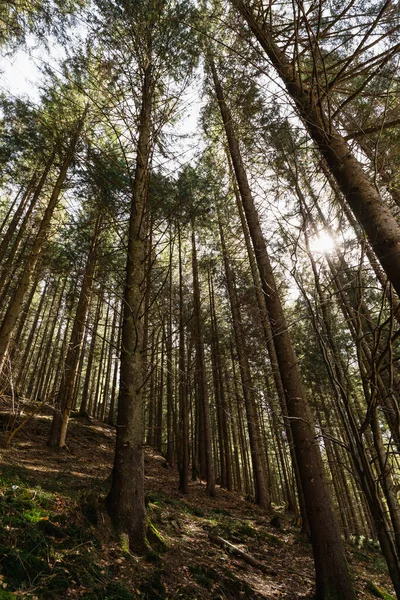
[[359, 454], [202, 374], [332, 577], [183, 443], [270, 348], [37, 186], [117, 348], [220, 395], [65, 397], [125, 500], [262, 495], [86, 403], [168, 340]]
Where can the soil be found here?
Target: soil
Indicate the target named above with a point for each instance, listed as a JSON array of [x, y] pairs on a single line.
[[186, 564]]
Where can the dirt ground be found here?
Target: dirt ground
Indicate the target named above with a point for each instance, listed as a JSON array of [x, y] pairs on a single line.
[[187, 564]]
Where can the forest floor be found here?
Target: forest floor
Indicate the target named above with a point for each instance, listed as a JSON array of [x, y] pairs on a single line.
[[56, 540]]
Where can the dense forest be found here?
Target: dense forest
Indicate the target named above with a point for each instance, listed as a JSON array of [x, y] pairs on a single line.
[[200, 246]]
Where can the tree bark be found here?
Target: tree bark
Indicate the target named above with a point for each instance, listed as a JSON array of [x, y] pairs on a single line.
[[125, 500], [332, 577], [65, 398], [202, 375]]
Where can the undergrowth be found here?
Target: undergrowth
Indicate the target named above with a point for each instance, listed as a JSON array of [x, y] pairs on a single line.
[[48, 547]]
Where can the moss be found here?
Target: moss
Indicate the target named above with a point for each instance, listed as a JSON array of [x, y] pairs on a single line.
[[151, 497], [124, 541], [155, 538], [236, 531], [5, 595], [34, 515], [246, 529], [371, 587]]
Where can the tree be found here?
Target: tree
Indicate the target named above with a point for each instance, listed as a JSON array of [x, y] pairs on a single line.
[[332, 577], [151, 31], [310, 98]]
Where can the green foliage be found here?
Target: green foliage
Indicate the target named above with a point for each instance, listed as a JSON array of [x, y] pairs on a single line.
[[38, 17], [5, 595], [34, 515], [271, 539], [37, 551]]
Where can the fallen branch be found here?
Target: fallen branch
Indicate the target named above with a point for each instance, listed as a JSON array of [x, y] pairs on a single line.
[[243, 555]]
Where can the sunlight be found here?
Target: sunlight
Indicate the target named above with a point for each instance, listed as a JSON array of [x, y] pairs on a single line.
[[322, 244]]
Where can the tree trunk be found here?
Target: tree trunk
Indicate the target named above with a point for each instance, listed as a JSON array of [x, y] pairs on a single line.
[[13, 310], [59, 424], [202, 374], [256, 446], [332, 577], [371, 211], [125, 500], [183, 438]]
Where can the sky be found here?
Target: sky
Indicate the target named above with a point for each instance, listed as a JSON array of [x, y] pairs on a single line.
[[20, 75]]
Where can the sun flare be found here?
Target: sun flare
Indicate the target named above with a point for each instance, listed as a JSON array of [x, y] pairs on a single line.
[[322, 243]]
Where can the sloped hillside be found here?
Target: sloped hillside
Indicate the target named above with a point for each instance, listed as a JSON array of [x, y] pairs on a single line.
[[56, 541]]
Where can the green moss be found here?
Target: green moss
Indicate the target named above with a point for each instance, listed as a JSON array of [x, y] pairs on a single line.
[[236, 531], [247, 530], [35, 515], [371, 587], [156, 540], [4, 595], [153, 498]]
